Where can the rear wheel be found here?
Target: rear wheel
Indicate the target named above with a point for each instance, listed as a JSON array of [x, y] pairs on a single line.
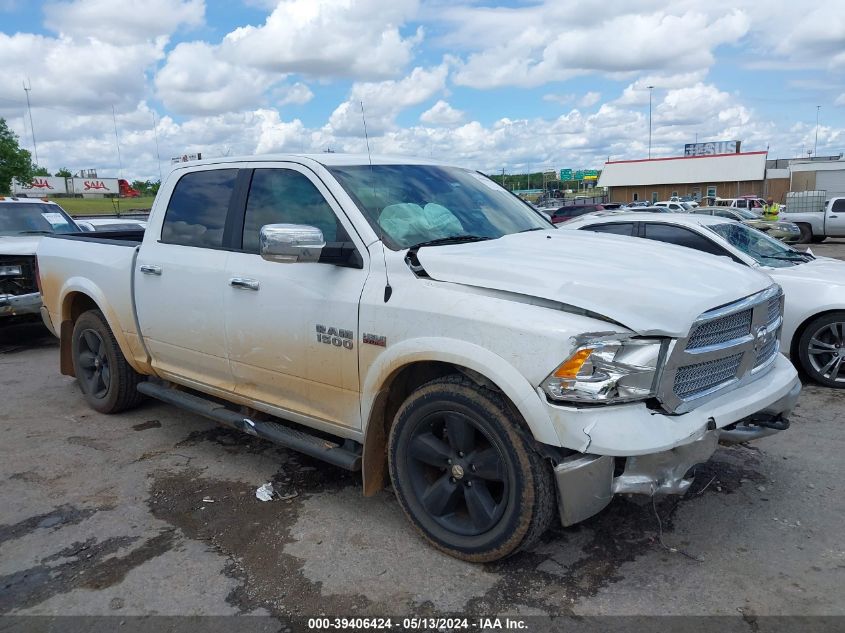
[[818, 239], [821, 350], [107, 381], [465, 472]]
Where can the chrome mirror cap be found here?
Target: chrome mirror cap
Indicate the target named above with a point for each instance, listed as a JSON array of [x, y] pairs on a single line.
[[291, 243]]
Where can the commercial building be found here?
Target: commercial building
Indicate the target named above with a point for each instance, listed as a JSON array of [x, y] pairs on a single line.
[[710, 176]]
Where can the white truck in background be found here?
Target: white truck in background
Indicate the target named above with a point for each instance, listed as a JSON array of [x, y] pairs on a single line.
[[818, 216], [418, 323]]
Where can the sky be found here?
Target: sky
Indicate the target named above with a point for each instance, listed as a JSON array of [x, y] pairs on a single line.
[[519, 85]]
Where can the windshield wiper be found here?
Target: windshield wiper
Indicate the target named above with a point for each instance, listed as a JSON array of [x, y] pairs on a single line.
[[801, 257], [35, 233], [533, 228], [452, 239]]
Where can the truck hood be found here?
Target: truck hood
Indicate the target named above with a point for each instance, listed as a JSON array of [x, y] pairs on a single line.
[[24, 245], [649, 287]]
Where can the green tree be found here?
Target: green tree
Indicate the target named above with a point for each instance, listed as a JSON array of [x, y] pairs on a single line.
[[64, 172], [14, 161], [153, 187], [40, 171]]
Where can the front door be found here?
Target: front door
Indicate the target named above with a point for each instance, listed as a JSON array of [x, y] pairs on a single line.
[[835, 220], [180, 281], [292, 329]]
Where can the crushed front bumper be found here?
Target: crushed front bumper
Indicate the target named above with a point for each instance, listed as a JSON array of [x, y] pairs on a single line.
[[586, 483], [17, 305]]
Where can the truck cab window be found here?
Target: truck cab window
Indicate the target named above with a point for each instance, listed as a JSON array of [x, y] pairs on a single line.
[[838, 206], [196, 213], [285, 196]]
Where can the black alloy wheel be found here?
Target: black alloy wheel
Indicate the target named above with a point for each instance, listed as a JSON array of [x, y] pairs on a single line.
[[95, 372], [457, 473]]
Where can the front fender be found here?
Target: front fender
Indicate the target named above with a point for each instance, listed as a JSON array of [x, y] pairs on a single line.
[[457, 352]]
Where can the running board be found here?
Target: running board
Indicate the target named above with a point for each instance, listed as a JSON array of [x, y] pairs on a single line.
[[286, 436]]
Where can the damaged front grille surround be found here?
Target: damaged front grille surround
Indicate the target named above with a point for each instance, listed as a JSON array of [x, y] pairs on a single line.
[[726, 348]]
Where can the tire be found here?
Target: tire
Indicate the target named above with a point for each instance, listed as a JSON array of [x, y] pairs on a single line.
[[496, 495], [818, 239], [806, 234], [106, 380], [821, 350]]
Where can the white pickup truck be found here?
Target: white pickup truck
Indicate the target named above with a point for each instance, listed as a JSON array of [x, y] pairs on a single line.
[[817, 215], [417, 322]]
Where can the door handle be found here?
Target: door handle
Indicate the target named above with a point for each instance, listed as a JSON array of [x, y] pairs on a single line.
[[149, 269], [833, 217], [244, 282]]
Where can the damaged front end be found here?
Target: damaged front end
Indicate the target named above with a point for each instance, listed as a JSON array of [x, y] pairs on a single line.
[[19, 293], [586, 483]]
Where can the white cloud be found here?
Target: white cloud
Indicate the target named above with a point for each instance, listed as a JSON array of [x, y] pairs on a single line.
[[195, 80], [297, 94], [562, 99], [840, 100], [521, 47], [328, 38], [384, 100], [441, 113], [589, 99], [122, 21]]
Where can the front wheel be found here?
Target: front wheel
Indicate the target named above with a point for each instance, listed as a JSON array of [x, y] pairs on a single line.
[[821, 350], [465, 472], [107, 381]]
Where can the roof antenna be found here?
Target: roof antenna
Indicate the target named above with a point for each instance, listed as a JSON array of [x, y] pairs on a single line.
[[388, 290]]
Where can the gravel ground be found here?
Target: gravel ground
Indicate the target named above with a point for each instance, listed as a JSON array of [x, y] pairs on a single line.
[[153, 512]]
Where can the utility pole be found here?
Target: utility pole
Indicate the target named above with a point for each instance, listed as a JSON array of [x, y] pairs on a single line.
[[26, 89], [650, 92], [119, 159], [816, 144]]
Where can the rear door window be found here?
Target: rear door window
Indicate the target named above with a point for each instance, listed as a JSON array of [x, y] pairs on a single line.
[[615, 228], [197, 210], [838, 206]]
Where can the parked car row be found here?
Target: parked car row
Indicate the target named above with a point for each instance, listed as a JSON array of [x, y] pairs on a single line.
[[23, 221]]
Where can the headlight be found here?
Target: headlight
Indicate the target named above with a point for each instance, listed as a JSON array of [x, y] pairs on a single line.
[[608, 369], [10, 271]]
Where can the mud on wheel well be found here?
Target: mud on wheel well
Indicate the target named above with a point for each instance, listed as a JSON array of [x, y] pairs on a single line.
[[396, 389], [74, 306]]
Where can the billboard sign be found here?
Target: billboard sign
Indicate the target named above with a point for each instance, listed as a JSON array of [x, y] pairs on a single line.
[[712, 148], [40, 186], [586, 174]]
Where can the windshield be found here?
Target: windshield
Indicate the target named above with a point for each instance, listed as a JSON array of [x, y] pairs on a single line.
[[24, 218], [765, 250], [411, 204]]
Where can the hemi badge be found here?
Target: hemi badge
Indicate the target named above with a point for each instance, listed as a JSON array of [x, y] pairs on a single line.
[[375, 339]]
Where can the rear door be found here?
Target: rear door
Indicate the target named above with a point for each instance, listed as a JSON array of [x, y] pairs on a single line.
[[180, 280], [292, 329], [835, 219]]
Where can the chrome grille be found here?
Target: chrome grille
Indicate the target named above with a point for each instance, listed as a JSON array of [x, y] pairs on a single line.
[[767, 351], [696, 379], [722, 330], [727, 347], [774, 309]]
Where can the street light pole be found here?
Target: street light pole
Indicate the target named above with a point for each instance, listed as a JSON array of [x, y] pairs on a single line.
[[650, 92], [816, 144], [26, 89]]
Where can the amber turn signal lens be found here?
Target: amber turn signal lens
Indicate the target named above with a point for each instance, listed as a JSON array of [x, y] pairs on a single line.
[[573, 364]]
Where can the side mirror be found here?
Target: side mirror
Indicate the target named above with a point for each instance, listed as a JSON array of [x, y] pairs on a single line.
[[291, 243]]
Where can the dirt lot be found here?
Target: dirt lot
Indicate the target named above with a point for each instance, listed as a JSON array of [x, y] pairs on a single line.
[[154, 512]]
